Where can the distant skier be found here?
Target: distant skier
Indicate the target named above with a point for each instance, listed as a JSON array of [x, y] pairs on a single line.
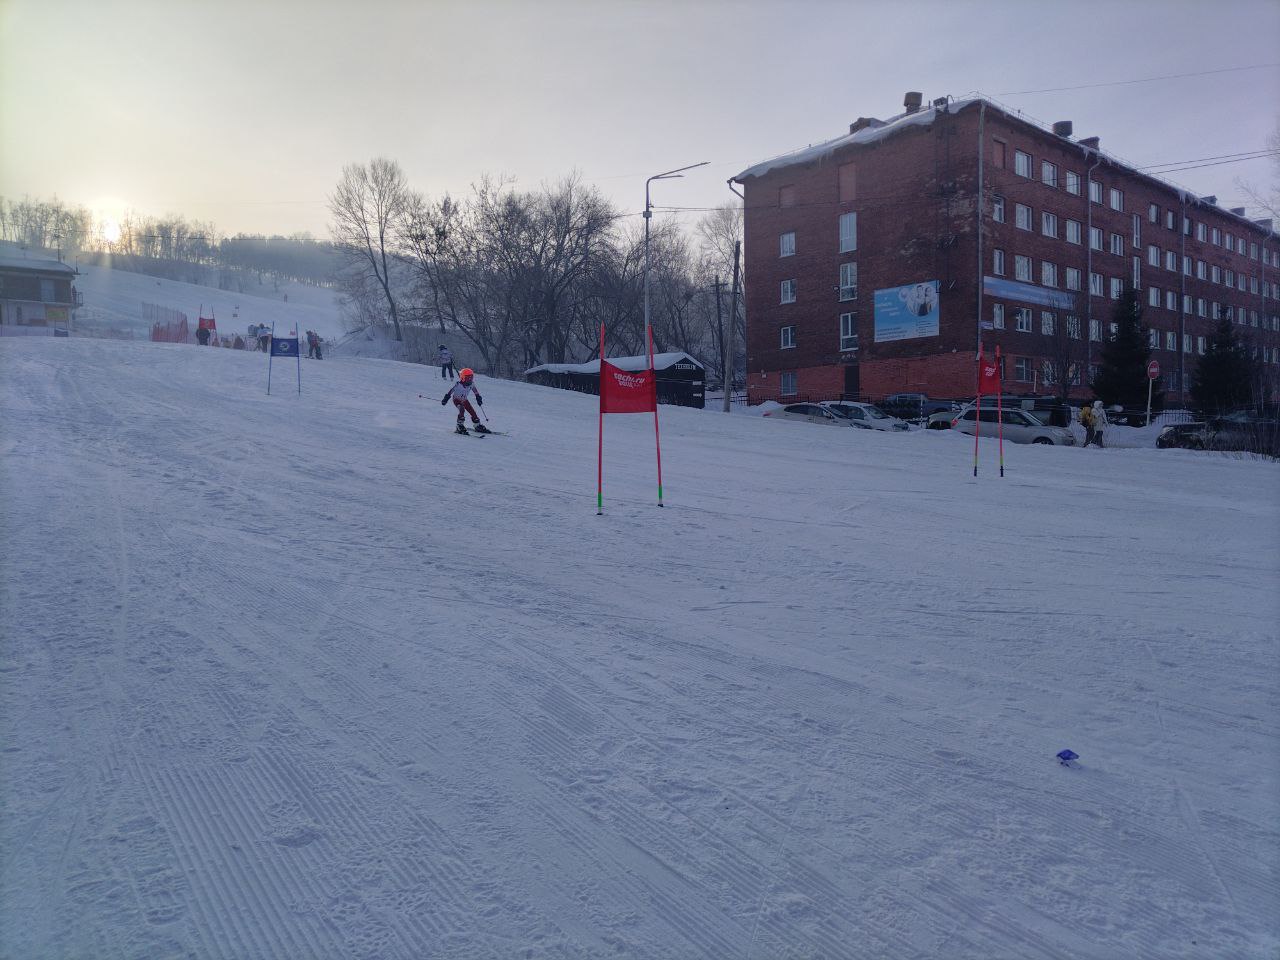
[[459, 391], [446, 362], [202, 336]]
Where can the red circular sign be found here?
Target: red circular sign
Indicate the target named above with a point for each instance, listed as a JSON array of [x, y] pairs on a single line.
[[1153, 369]]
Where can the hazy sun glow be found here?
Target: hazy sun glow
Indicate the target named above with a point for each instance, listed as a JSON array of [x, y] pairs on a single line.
[[108, 212], [110, 230]]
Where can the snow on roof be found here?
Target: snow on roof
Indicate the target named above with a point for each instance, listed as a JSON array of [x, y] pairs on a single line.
[[661, 361], [869, 134], [31, 263]]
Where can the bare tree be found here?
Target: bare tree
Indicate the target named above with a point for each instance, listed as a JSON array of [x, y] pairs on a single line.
[[369, 209], [1066, 352]]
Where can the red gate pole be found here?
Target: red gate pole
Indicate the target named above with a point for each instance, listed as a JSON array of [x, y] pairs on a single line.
[[653, 379], [600, 441], [977, 416], [999, 413]]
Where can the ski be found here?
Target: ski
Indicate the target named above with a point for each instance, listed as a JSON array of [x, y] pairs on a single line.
[[473, 433]]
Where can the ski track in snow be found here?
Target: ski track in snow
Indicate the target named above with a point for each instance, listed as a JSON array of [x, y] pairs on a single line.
[[304, 677]]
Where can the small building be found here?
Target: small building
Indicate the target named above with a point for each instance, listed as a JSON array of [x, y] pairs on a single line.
[[681, 379], [36, 297]]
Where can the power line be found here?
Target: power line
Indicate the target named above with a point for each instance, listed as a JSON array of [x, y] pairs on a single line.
[[1247, 155], [1120, 83]]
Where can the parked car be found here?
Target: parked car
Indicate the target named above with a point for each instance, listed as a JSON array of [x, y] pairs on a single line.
[[914, 406], [1019, 426], [865, 415], [810, 412], [1233, 432]]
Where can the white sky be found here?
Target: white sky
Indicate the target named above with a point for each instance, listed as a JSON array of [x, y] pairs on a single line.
[[244, 113]]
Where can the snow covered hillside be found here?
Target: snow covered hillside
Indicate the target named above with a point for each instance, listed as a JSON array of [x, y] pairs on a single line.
[[314, 677], [114, 298]]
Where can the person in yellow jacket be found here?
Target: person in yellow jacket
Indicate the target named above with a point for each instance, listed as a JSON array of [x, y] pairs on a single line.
[[1087, 421]]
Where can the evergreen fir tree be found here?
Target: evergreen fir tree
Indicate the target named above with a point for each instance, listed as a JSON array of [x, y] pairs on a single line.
[[1122, 374], [1224, 376]]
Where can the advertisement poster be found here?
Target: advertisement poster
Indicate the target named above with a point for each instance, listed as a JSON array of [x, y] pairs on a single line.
[[906, 312]]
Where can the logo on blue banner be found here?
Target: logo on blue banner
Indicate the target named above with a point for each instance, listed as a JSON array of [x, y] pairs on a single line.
[[284, 347]]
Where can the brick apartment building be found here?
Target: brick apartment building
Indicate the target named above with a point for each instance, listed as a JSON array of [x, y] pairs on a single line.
[[872, 267]]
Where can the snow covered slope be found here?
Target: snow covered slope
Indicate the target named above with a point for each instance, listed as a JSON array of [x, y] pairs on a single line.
[[115, 298], [313, 677]]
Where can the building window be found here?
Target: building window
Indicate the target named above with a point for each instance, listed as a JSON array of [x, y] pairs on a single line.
[[1170, 223], [1153, 296], [1116, 199], [1229, 278], [1171, 260], [1073, 231], [1240, 282], [1095, 191], [1215, 273], [788, 339], [1188, 305], [1171, 299], [1253, 284], [997, 316], [1253, 251], [1170, 340], [1186, 265], [848, 281], [1200, 271], [1200, 345], [997, 153], [1048, 274], [1073, 278], [848, 182], [1095, 284], [787, 245], [787, 196], [1215, 310], [1202, 232], [1022, 216], [788, 385], [1230, 243], [1022, 318], [849, 232], [1202, 308], [848, 332], [1073, 328], [1137, 232], [1073, 183], [1046, 322], [1048, 174], [1153, 213], [1137, 272], [997, 209], [1117, 244], [1186, 343], [1216, 237], [788, 291], [1049, 224], [997, 262], [1095, 330], [1153, 255], [1186, 226], [1153, 339], [1022, 163], [1095, 238], [1022, 268], [1117, 288], [1022, 369]]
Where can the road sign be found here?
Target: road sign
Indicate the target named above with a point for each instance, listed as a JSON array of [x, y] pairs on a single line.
[[1153, 370]]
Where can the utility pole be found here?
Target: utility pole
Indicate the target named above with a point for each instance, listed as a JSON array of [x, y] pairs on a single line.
[[724, 350], [733, 325]]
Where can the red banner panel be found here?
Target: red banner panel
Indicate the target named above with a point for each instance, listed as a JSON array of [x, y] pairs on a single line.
[[624, 391]]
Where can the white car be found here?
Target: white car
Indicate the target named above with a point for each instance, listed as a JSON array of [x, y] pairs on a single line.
[[811, 412], [1020, 426], [865, 415]]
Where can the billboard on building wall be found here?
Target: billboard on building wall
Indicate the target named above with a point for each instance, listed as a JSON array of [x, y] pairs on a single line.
[[906, 312]]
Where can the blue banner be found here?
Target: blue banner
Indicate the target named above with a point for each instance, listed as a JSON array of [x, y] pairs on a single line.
[[906, 312], [1027, 293], [284, 346]]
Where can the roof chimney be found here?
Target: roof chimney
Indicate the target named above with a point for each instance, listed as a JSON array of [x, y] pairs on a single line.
[[1090, 142], [1210, 199], [1264, 223], [1062, 128], [863, 122], [1238, 211], [912, 100]]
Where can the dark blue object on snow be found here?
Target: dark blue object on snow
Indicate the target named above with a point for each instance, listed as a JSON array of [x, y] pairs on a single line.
[[1066, 756]]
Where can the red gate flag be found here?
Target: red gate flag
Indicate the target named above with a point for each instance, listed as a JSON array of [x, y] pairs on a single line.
[[624, 391], [989, 374]]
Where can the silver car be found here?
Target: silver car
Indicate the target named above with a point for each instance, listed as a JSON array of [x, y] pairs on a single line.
[[1020, 426], [865, 415], [811, 412]]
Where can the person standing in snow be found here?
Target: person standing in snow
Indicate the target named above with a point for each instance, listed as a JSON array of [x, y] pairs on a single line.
[[1099, 421], [458, 392], [446, 362], [1086, 421], [202, 336]]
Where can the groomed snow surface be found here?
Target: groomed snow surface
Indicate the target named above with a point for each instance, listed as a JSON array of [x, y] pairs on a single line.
[[312, 677]]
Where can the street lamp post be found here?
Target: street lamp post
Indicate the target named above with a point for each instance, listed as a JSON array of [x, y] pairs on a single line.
[[669, 175]]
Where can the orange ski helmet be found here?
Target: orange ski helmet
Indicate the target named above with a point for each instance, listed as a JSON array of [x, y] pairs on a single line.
[[466, 373]]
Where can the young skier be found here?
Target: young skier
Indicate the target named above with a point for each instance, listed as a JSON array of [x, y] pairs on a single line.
[[465, 384], [446, 362]]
